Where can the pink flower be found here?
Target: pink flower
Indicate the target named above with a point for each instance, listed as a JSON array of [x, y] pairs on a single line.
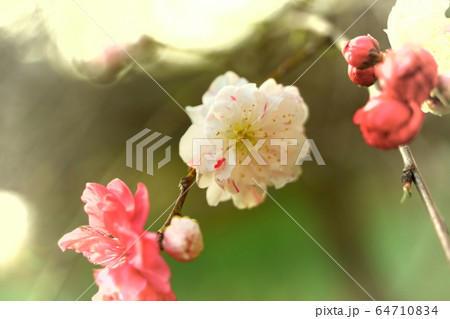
[[408, 74], [183, 239], [364, 77], [387, 123], [115, 239], [362, 52]]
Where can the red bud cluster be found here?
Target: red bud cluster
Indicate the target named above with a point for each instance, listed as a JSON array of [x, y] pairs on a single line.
[[406, 77], [361, 54]]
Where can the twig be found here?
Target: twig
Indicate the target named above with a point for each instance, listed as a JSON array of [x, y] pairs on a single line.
[[435, 216], [185, 184], [299, 56]]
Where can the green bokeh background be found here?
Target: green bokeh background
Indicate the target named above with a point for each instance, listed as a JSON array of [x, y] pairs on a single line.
[[57, 133]]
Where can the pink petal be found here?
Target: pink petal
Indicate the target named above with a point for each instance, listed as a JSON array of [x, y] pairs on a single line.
[[144, 264], [148, 259], [117, 221], [123, 194], [141, 206], [95, 246], [101, 201], [121, 282], [93, 196], [150, 294]]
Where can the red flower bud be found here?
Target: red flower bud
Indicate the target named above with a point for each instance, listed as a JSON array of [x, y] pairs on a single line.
[[387, 123], [362, 52], [364, 77], [408, 74]]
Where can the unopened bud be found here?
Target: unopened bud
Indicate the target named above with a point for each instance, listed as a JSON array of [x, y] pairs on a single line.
[[183, 239], [362, 52], [364, 77], [388, 123]]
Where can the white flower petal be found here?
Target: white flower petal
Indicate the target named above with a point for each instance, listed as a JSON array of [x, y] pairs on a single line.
[[249, 197], [215, 194], [205, 180], [197, 113], [229, 78], [186, 143], [422, 22], [247, 119]]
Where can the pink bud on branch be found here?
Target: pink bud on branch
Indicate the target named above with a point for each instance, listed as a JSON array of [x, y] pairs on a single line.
[[183, 239]]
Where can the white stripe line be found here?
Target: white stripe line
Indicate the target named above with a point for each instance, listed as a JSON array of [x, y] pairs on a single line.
[[316, 242], [131, 57], [316, 60]]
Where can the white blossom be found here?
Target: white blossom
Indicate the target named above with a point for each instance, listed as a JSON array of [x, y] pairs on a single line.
[[423, 22], [250, 123]]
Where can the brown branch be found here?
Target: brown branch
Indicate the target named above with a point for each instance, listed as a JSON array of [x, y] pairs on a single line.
[[185, 184], [411, 174]]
